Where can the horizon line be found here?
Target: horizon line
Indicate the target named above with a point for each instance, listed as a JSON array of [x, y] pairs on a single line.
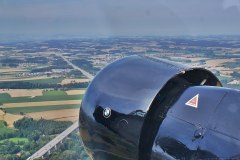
[[17, 38]]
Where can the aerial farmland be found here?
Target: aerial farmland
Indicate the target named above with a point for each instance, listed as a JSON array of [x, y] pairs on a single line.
[[41, 91]]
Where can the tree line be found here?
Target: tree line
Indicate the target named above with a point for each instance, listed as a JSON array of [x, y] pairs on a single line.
[[38, 133]]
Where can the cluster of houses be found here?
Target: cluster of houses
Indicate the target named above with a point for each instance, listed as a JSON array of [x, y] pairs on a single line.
[[48, 73]]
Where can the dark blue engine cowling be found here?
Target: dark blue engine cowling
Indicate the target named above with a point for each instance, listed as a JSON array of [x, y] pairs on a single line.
[[210, 131], [132, 103]]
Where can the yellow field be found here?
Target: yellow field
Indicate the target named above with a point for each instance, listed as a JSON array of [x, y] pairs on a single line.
[[72, 119], [45, 103], [61, 115], [11, 118], [67, 81], [2, 70], [75, 92], [235, 82], [190, 58], [238, 68], [2, 115], [23, 92], [218, 62], [226, 72]]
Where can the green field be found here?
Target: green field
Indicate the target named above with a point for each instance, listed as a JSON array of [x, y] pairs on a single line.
[[40, 81], [232, 64], [4, 96], [47, 96], [54, 93], [4, 99], [14, 140], [4, 130], [17, 110], [47, 80]]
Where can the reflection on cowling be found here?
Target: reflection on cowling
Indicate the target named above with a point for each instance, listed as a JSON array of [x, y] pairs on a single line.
[[121, 124], [120, 137], [178, 150]]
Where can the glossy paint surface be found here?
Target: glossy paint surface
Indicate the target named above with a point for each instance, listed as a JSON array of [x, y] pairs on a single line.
[[201, 133], [124, 89]]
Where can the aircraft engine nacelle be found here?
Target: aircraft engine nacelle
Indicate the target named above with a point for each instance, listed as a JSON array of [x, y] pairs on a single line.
[[142, 108]]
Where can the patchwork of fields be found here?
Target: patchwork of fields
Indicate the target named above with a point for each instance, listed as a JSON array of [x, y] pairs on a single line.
[[29, 95], [51, 104], [38, 86], [43, 87]]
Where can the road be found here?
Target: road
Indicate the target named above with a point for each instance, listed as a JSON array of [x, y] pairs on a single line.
[[88, 75], [53, 143], [59, 138]]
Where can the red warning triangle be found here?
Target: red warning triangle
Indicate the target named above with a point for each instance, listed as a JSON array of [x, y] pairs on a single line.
[[193, 102]]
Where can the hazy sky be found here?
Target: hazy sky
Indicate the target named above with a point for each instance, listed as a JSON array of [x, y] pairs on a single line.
[[84, 18]]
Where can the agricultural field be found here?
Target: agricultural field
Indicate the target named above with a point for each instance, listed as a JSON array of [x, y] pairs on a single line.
[[32, 83], [4, 129], [20, 93], [51, 100], [37, 86], [75, 92], [38, 79], [10, 118], [14, 140], [59, 115], [225, 68], [54, 93]]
